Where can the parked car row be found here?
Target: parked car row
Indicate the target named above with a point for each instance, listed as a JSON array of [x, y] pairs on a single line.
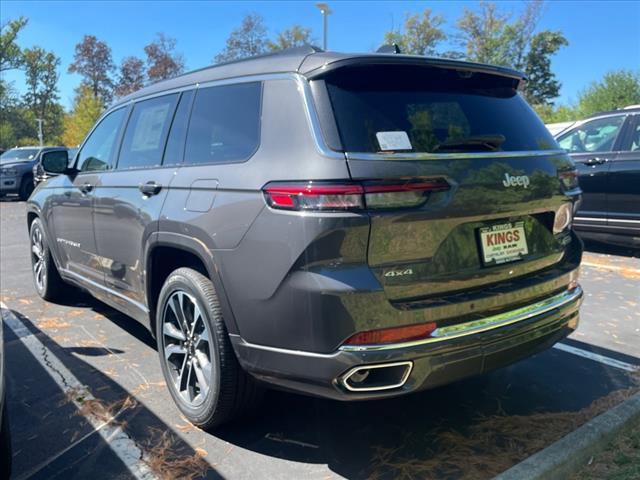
[[20, 169], [606, 150]]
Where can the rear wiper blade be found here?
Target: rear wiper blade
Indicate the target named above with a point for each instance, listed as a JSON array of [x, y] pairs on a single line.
[[474, 142]]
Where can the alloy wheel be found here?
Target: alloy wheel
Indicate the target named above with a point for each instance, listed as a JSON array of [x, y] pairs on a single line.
[[38, 260], [187, 347]]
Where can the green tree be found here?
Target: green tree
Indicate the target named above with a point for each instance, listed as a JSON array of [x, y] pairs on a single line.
[[162, 60], [484, 35], [617, 89], [10, 52], [93, 61], [542, 86], [41, 71], [87, 108], [550, 114], [130, 76], [294, 36], [420, 35], [248, 40]]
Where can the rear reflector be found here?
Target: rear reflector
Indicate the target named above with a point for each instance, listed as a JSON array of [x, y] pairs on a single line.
[[351, 196], [569, 178], [392, 335]]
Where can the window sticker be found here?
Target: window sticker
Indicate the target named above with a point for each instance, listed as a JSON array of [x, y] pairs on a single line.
[[391, 141]]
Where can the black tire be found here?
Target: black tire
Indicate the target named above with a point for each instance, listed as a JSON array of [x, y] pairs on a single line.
[[5, 444], [231, 391], [51, 288], [26, 187]]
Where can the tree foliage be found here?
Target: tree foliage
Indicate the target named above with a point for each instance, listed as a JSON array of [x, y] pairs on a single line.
[[162, 60], [130, 76], [41, 72], [10, 52], [618, 89], [87, 108], [248, 40], [542, 86], [93, 61], [294, 36], [420, 35]]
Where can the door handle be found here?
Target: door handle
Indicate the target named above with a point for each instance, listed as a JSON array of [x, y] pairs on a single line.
[[150, 188], [86, 187], [595, 161]]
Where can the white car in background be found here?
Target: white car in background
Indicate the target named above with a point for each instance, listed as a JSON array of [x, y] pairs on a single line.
[[556, 128]]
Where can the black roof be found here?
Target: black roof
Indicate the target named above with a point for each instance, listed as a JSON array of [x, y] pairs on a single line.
[[309, 61]]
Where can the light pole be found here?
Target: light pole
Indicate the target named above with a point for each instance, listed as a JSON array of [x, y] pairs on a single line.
[[326, 11], [40, 136]]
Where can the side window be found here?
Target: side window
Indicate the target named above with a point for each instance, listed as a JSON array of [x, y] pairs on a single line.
[[146, 132], [595, 136], [97, 152], [175, 143], [225, 124]]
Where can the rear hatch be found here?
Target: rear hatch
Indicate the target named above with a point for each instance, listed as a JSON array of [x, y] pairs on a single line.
[[464, 179]]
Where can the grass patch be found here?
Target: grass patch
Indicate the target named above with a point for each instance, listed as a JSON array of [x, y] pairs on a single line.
[[620, 460]]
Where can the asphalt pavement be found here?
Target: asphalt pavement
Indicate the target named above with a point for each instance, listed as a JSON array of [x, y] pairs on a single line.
[[290, 436]]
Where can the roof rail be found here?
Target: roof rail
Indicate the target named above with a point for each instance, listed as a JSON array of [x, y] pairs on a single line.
[[389, 48]]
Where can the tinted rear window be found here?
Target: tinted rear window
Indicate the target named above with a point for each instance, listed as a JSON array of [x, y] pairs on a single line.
[[432, 110], [225, 124]]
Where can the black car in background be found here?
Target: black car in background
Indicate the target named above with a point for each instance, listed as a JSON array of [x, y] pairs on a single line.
[[16, 169], [606, 150]]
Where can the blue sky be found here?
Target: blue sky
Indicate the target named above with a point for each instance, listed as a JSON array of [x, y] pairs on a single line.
[[603, 35]]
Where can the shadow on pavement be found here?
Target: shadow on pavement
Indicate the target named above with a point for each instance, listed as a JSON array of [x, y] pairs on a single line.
[[492, 418], [51, 440]]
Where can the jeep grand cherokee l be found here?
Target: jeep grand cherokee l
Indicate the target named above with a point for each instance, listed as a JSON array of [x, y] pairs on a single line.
[[346, 226]]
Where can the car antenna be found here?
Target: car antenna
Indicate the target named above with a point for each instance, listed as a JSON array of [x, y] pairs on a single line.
[[389, 48]]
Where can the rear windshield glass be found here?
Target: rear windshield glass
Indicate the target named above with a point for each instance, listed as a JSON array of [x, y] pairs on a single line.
[[433, 110]]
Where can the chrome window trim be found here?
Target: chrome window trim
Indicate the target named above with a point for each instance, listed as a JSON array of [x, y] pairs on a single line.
[[477, 326], [403, 380], [451, 156]]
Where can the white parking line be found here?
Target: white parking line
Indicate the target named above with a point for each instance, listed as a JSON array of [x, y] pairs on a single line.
[[612, 362], [121, 444]]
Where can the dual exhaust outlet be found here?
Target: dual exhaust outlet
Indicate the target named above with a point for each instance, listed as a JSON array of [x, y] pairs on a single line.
[[373, 378]]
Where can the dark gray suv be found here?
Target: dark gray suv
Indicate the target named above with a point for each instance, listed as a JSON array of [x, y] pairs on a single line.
[[347, 226]]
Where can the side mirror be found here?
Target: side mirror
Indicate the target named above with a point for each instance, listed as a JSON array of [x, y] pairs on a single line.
[[55, 162]]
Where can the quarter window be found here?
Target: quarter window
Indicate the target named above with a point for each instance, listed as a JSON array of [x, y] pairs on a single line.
[[594, 136], [146, 133], [225, 124], [99, 149]]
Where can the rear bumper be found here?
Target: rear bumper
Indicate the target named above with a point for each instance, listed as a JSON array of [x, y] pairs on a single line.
[[480, 346]]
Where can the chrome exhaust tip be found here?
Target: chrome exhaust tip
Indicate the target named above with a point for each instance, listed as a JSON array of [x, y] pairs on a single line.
[[373, 378]]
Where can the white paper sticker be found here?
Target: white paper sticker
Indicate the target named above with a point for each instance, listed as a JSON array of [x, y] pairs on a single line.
[[393, 141]]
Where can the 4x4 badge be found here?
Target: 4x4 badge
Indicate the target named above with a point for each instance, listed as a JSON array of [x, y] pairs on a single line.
[[399, 273]]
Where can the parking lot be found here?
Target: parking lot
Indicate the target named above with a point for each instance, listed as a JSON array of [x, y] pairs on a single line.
[[87, 397]]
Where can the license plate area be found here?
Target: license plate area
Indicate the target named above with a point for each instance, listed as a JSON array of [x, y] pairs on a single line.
[[503, 243]]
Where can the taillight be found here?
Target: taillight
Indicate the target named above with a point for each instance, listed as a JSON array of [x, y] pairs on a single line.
[[351, 196], [569, 178], [392, 335], [563, 218], [313, 196]]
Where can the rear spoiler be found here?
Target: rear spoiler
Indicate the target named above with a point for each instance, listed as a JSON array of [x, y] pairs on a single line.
[[314, 68]]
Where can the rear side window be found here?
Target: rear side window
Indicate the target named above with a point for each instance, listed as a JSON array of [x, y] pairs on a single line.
[[99, 149], [225, 124], [144, 139], [432, 110]]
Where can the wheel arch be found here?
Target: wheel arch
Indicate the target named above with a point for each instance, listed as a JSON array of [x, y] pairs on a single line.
[[176, 251]]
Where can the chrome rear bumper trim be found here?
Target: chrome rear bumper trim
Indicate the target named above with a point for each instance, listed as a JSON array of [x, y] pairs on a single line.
[[481, 325]]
